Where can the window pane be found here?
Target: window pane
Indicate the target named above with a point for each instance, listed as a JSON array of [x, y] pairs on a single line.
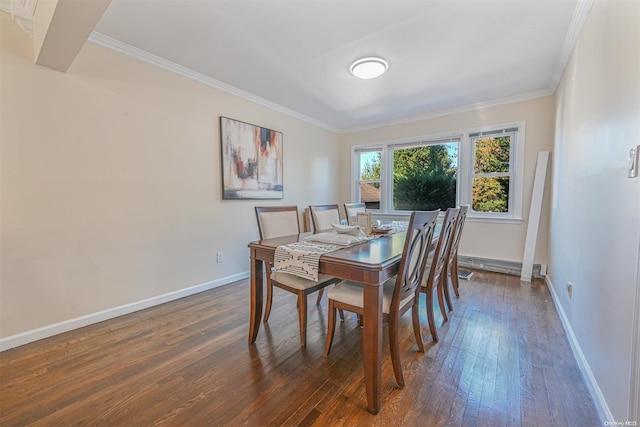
[[370, 165], [491, 194], [492, 154], [424, 178], [370, 194]]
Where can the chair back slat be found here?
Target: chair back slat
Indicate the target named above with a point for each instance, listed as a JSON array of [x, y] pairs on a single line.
[[414, 256], [462, 215], [442, 248]]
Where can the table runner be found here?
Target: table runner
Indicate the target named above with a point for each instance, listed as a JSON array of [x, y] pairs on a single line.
[[391, 228], [302, 258], [399, 226]]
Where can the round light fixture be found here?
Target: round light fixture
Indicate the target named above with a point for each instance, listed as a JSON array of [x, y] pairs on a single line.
[[369, 68]]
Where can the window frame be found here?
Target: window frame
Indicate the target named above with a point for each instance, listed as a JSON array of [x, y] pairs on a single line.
[[356, 173], [464, 174], [514, 208], [423, 142]]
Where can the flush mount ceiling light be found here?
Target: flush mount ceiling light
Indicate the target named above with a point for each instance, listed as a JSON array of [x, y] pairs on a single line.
[[369, 68]]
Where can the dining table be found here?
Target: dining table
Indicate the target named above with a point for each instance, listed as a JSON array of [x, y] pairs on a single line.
[[370, 263]]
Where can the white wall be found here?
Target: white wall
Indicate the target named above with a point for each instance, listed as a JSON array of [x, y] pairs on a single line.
[[110, 183], [595, 208], [480, 239]]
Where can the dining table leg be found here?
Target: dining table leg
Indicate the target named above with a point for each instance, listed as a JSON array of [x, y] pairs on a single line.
[[372, 346], [256, 286]]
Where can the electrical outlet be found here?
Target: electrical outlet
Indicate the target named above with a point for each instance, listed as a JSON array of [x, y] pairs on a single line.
[[220, 257], [569, 288]]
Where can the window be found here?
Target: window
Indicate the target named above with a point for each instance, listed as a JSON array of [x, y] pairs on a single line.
[[370, 163], [424, 176], [492, 170], [480, 167]]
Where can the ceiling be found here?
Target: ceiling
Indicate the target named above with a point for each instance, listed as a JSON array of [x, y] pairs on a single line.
[[294, 55]]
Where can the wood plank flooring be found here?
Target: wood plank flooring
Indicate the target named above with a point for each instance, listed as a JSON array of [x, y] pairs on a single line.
[[503, 360]]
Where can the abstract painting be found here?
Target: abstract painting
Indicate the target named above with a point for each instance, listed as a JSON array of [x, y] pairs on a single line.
[[251, 161]]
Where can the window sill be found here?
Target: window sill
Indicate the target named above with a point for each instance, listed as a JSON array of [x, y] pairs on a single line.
[[470, 218], [495, 220]]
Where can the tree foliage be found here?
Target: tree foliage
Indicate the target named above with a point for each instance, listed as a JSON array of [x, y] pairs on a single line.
[[371, 169], [491, 194], [424, 178]]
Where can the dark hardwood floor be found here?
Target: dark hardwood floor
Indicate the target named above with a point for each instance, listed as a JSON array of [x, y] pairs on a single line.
[[503, 360]]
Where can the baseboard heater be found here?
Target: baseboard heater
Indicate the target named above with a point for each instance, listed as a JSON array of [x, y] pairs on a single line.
[[498, 266]]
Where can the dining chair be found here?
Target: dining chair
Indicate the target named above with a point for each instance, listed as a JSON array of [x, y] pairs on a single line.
[[353, 209], [452, 259], [322, 216], [276, 221], [437, 263], [400, 293]]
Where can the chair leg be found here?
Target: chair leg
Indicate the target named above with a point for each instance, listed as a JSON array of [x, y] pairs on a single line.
[[320, 293], [394, 347], [331, 327], [302, 317], [440, 291], [454, 276], [267, 310], [445, 288], [415, 314], [430, 317]]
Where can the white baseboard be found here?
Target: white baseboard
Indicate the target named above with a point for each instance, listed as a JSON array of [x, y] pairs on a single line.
[[592, 384], [89, 319]]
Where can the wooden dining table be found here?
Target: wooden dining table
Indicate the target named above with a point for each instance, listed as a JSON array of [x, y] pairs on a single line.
[[370, 263]]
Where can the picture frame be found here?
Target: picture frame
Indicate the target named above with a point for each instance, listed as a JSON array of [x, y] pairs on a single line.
[[251, 161]]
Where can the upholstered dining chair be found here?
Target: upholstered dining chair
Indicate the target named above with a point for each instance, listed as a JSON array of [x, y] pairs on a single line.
[[276, 221], [322, 216], [452, 258], [400, 293], [353, 209], [437, 269]]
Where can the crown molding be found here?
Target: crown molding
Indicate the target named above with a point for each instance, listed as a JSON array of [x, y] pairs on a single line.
[[582, 10], [22, 12], [579, 18], [131, 51], [25, 9], [453, 110]]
